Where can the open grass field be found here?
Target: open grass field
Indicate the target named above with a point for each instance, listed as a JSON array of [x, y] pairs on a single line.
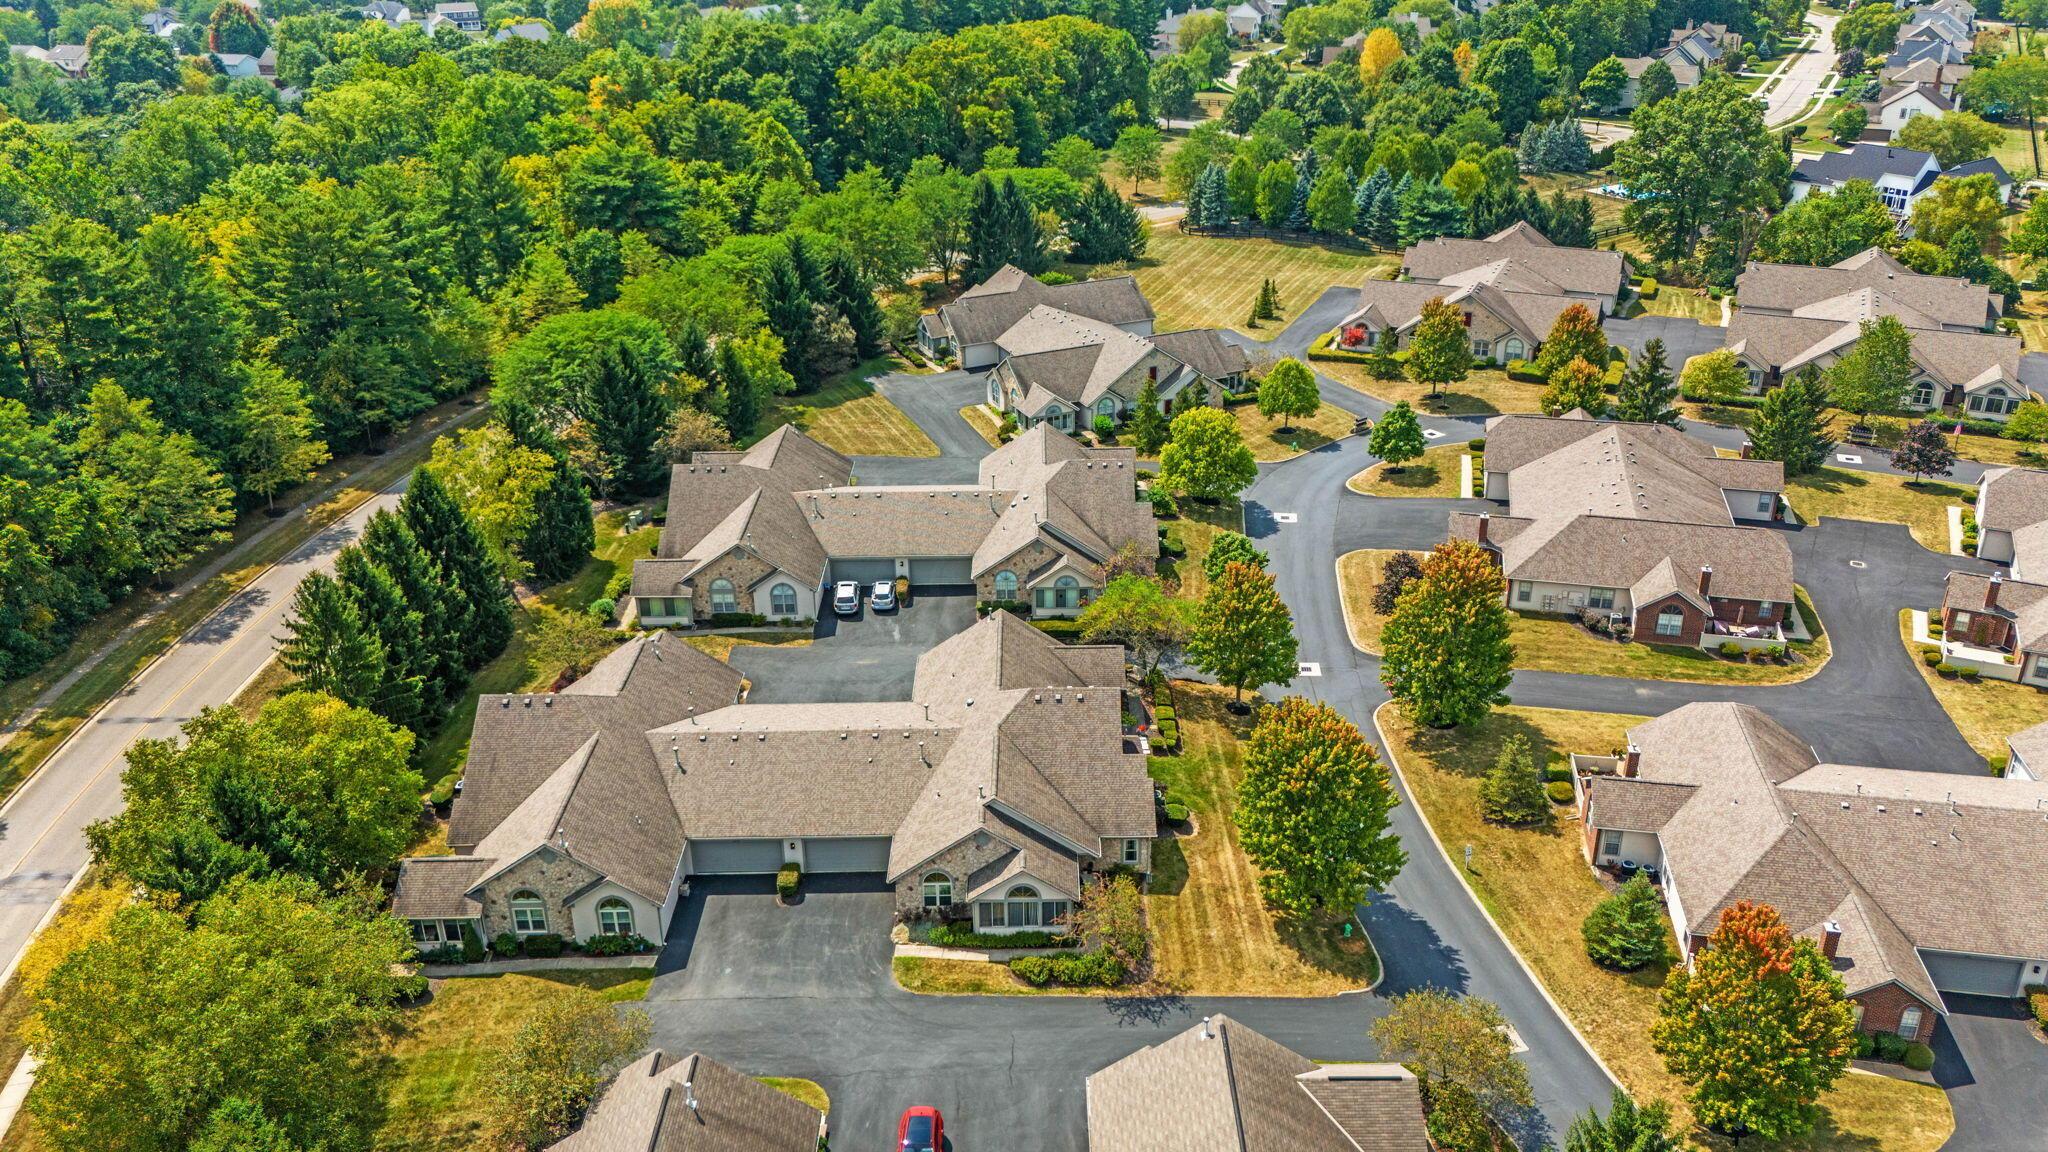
[[1209, 281], [1270, 440], [1536, 885], [138, 629], [1920, 505], [1985, 712], [1553, 644], [1437, 472], [1606, 209], [436, 1095], [1211, 932], [1890, 429], [1481, 393], [1684, 303], [850, 416], [1195, 527]]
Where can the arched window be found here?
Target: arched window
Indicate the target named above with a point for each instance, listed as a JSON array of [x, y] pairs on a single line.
[[614, 917], [1909, 1022], [1067, 592], [1514, 348], [529, 915], [938, 890], [1670, 622], [1006, 585], [722, 597], [1023, 906], [1106, 406], [782, 600]]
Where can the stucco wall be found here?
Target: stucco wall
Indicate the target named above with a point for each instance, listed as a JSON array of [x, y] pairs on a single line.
[[646, 915], [548, 874]]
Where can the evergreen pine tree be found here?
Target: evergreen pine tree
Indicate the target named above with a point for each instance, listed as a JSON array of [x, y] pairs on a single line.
[[1105, 227], [391, 546], [1647, 389], [1529, 151], [401, 686], [1572, 151], [1195, 217], [788, 309], [1273, 305], [693, 354], [1027, 241], [987, 236], [854, 298], [327, 648], [742, 397], [1512, 791], [1384, 225], [1217, 208], [1791, 424], [809, 272], [451, 539], [1304, 184], [1148, 423], [627, 415], [1362, 198], [563, 535]]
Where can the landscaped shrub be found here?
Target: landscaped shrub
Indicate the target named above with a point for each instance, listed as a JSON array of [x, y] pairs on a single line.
[[1997, 765], [786, 879], [1649, 289], [505, 945], [472, 945], [1396, 574], [1176, 813], [1969, 672], [1320, 349], [1559, 791], [1774, 652], [1064, 629], [620, 584], [604, 608], [445, 954], [1105, 428], [1013, 607], [1626, 931], [617, 945], [961, 934], [545, 946], [1945, 669], [1730, 648], [1162, 503], [1918, 1057], [1087, 970], [1524, 371], [1864, 1046], [1930, 657], [1476, 444], [1888, 1046], [2037, 1000], [1164, 712], [736, 620], [1558, 770]]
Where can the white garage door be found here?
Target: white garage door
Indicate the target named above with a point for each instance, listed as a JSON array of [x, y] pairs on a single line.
[[959, 571], [864, 571], [708, 857], [858, 854], [1974, 975]]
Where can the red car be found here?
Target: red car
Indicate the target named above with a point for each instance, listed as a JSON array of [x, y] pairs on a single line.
[[922, 1129]]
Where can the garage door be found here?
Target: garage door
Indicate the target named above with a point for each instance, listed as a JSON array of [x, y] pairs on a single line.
[[713, 856], [959, 571], [865, 571], [861, 854], [1975, 975]]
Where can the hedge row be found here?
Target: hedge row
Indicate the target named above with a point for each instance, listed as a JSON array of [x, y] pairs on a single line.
[[1090, 970], [961, 934]]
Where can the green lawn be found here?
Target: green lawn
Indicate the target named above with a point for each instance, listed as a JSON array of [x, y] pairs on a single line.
[[1193, 529], [1481, 393], [848, 415], [436, 1094], [1271, 440], [1209, 281], [1920, 505], [807, 1091], [1685, 303], [1438, 472], [1537, 887], [1986, 711]]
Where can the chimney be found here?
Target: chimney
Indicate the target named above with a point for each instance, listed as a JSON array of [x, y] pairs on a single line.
[[1631, 762], [1830, 938], [1706, 579], [1747, 448], [1485, 523], [1991, 590]]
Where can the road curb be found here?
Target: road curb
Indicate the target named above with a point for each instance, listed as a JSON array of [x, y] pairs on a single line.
[[1395, 766]]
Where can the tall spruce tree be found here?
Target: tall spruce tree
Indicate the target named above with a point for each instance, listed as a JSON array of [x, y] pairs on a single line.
[[788, 307], [401, 690], [628, 412], [1365, 196], [1304, 185], [1148, 423], [389, 543], [1217, 208], [988, 236], [854, 297], [563, 533], [452, 540], [1791, 425], [1647, 389], [1105, 228], [742, 395], [327, 648], [1027, 241]]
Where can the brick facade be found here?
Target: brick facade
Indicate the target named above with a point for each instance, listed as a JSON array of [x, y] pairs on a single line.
[[547, 874], [1690, 628], [1747, 611], [1984, 630], [1883, 1005]]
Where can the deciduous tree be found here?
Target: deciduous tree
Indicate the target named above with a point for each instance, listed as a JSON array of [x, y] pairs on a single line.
[[1829, 227], [1231, 548], [279, 444], [1440, 351], [1206, 457], [1312, 811], [1954, 138], [1575, 335], [1243, 634], [1447, 658], [1136, 153], [1397, 436], [1700, 162], [557, 1064], [1289, 389], [1714, 377], [1455, 1040], [1135, 611], [1758, 1026], [1924, 451], [1876, 374]]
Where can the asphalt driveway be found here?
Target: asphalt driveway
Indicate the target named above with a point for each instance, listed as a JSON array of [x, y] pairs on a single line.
[[866, 657], [1683, 338], [731, 939], [1990, 1058]]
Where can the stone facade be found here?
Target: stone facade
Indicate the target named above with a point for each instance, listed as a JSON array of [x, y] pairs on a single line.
[[958, 863], [737, 566], [1883, 1006], [548, 874]]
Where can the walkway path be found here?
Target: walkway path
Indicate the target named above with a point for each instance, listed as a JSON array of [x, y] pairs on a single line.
[[1806, 80]]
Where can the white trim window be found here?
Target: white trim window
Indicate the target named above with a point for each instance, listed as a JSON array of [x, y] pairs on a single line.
[[1601, 598], [723, 598], [614, 917], [1670, 622], [1610, 842], [1131, 852], [529, 914], [1522, 590], [1006, 585], [1765, 502], [782, 600], [1909, 1021], [937, 890]]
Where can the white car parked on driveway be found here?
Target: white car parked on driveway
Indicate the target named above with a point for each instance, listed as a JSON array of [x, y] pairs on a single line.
[[883, 598], [846, 598]]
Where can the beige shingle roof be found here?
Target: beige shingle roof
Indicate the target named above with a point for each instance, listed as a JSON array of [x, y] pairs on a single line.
[[647, 1109], [1785, 287], [1585, 271], [1635, 805], [2020, 601], [2012, 498], [437, 887], [987, 310], [1221, 1087]]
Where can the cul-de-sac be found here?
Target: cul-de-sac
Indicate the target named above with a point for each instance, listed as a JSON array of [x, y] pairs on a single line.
[[1006, 576]]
